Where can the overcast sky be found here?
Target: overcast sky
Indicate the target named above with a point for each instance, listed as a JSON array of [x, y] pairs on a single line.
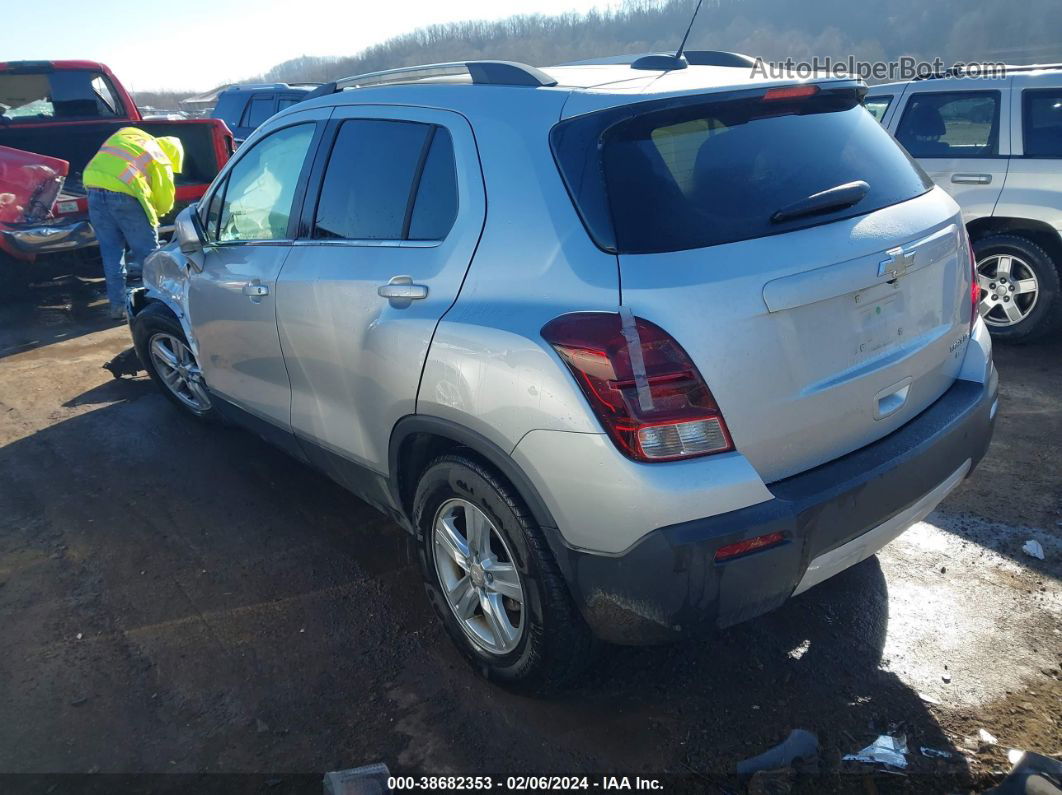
[[198, 44]]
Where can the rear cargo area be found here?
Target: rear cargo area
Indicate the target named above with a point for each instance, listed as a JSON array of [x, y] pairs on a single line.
[[809, 268]]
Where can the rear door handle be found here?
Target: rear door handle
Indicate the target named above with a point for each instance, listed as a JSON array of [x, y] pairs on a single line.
[[255, 290], [971, 179], [402, 287]]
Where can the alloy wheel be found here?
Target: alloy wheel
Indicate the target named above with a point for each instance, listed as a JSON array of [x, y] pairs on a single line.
[[1009, 289], [478, 577], [179, 371]]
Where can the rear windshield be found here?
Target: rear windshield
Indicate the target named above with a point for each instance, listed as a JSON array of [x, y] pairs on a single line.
[[693, 174], [65, 94]]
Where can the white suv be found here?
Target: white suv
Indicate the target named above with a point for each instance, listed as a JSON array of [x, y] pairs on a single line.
[[633, 350], [995, 144]]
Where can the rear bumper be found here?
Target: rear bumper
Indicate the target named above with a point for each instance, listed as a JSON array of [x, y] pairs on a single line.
[[26, 241], [832, 517]]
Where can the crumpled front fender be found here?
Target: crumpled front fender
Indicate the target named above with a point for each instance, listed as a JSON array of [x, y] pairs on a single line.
[[166, 276]]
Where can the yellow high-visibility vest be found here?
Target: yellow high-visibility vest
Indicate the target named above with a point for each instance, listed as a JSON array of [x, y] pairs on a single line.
[[132, 161]]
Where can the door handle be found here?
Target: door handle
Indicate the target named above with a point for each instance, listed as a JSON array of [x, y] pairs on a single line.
[[255, 291], [402, 287], [971, 179]]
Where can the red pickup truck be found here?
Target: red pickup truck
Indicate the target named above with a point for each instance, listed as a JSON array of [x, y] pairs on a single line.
[[54, 115]]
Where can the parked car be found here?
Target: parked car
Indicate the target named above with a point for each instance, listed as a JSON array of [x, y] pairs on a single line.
[[678, 373], [54, 115], [996, 146], [245, 107]]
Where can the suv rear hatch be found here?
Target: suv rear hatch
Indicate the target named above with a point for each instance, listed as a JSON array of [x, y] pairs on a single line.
[[803, 260]]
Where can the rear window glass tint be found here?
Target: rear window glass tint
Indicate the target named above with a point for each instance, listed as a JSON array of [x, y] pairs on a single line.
[[1042, 120], [63, 94], [954, 124], [435, 207], [708, 174], [369, 179]]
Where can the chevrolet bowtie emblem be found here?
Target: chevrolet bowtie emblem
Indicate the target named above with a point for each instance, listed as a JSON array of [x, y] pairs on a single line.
[[897, 263]]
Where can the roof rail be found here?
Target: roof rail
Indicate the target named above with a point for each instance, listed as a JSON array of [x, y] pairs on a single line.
[[958, 71], [667, 61], [492, 73]]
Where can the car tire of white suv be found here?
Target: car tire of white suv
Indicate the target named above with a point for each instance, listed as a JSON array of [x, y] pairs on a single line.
[[492, 580], [1026, 263]]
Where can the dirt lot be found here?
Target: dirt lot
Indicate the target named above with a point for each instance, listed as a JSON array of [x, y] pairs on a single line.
[[177, 598]]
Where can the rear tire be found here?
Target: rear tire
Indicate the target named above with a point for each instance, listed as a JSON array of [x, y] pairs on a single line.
[[164, 351], [1029, 263], [553, 644]]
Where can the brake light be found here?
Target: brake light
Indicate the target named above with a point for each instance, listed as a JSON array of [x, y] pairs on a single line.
[[641, 385], [790, 92], [975, 286], [749, 545]]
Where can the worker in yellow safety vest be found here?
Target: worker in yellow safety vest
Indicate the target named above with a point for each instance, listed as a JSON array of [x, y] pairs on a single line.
[[130, 184]]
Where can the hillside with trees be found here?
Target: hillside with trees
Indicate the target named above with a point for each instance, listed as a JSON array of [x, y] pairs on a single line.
[[953, 30]]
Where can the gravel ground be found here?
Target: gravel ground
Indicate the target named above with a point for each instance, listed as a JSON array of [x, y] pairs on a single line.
[[177, 598]]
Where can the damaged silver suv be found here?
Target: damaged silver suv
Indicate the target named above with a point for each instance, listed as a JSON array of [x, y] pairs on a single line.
[[634, 350]]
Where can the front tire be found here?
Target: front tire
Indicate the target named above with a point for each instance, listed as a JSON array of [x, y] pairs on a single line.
[[1020, 297], [492, 579], [166, 355]]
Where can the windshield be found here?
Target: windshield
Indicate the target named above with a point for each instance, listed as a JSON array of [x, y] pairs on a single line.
[[65, 94], [702, 174]]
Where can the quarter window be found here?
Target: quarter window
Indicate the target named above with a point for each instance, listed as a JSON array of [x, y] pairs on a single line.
[[1042, 122], [261, 186], [955, 124], [435, 208], [878, 105], [385, 178]]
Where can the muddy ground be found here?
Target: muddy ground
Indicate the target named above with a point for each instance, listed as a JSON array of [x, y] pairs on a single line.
[[176, 598]]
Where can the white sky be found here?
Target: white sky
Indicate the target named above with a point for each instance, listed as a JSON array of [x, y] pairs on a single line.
[[197, 44]]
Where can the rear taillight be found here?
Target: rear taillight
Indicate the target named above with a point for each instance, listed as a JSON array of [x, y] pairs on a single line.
[[975, 286], [641, 384]]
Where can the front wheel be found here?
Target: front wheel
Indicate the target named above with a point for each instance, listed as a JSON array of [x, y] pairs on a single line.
[[492, 579], [1019, 283], [168, 358]]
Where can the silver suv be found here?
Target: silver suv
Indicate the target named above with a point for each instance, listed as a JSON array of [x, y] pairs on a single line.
[[634, 350], [995, 144]]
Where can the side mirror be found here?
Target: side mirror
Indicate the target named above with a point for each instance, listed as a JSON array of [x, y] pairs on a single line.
[[187, 232]]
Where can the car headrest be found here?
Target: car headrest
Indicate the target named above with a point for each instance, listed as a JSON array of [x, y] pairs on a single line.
[[926, 121]]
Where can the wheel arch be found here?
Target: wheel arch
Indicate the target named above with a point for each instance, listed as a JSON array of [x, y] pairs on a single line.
[[418, 439], [1039, 232]]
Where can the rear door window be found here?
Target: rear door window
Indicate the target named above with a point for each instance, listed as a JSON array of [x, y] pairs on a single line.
[[258, 110], [369, 183], [951, 124], [703, 174], [878, 106], [287, 100], [1042, 122]]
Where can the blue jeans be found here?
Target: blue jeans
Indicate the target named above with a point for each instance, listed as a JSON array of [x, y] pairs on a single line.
[[124, 235]]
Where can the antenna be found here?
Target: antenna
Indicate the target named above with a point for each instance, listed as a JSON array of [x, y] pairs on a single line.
[[693, 19]]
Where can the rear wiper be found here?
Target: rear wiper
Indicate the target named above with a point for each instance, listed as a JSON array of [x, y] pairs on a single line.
[[835, 198]]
